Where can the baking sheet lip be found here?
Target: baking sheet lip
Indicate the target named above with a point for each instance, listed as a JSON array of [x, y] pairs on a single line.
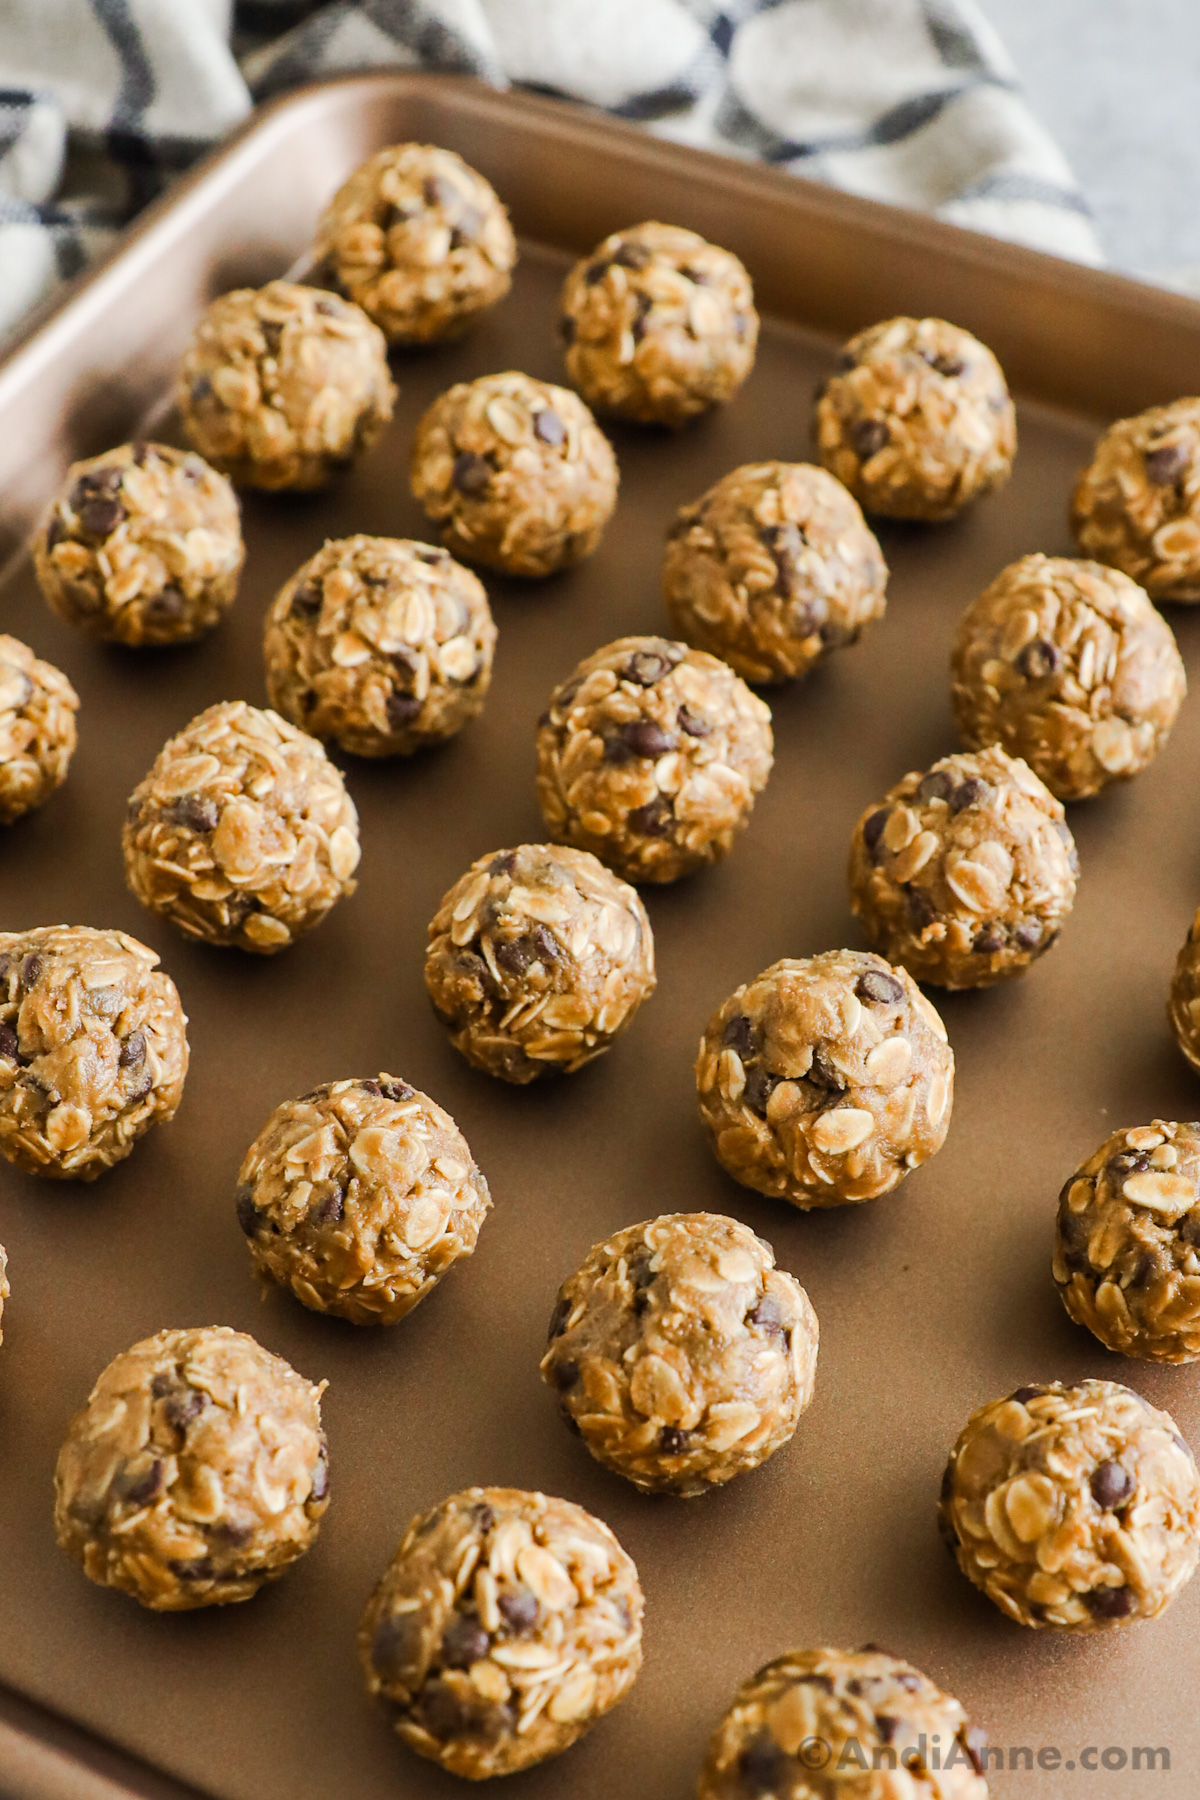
[[69, 1753]]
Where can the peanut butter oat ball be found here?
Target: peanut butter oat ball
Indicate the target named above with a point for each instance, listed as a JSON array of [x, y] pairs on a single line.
[[358, 1197], [283, 385], [93, 1049], [243, 832], [1137, 504], [1067, 665], [537, 959], [659, 325], [651, 756], [1073, 1508], [681, 1354], [1127, 1243], [917, 421], [37, 729], [419, 241], [964, 874], [516, 472], [382, 644], [821, 1724], [825, 1080], [505, 1626], [143, 546], [196, 1473], [1183, 1007], [772, 569]]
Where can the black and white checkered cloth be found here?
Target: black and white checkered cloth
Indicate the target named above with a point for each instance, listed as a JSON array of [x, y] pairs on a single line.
[[912, 101]]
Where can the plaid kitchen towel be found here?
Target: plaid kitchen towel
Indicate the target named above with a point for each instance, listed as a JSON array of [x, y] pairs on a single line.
[[912, 101]]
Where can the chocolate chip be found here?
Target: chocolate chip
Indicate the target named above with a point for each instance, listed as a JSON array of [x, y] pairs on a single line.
[[401, 709], [847, 360], [566, 329], [1028, 934], [566, 1374], [645, 738], [548, 426], [386, 1088], [514, 954], [141, 1485], [760, 1085], [1165, 463], [248, 1216], [194, 812], [466, 228], [692, 723], [196, 1568], [971, 792], [272, 330], [816, 1679], [331, 307], [641, 318], [395, 1645], [1111, 1484], [330, 1210], [31, 971], [483, 1516], [596, 272], [879, 988], [504, 863], [645, 667], [886, 1726], [169, 602], [464, 1642], [519, 1610], [937, 785], [633, 255], [767, 1316], [307, 599], [1110, 1602], [921, 909], [641, 1277], [443, 1714], [655, 819], [7, 963], [872, 831], [106, 481], [133, 1051], [10, 1049], [559, 1317], [762, 1765], [471, 473], [739, 1035], [988, 939], [201, 389], [100, 516], [56, 531], [672, 1441], [868, 436], [1188, 1228], [1023, 1395], [823, 1073], [439, 191], [1038, 659], [950, 366], [184, 1405]]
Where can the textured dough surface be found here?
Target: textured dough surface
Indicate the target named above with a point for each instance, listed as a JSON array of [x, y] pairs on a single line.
[[93, 1049], [772, 569], [681, 1354], [917, 420], [37, 729], [659, 325], [358, 1197], [825, 1080], [383, 645], [419, 240], [196, 1472], [143, 546], [505, 1626], [516, 472], [1068, 665], [242, 832], [1137, 504], [283, 385], [537, 959], [965, 873], [1073, 1508], [1127, 1242], [650, 756]]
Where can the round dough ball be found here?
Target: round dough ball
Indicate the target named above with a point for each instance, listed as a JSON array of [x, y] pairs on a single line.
[[37, 729], [283, 385], [537, 959], [1127, 1242], [825, 1080], [680, 1354], [772, 569], [658, 324], [1067, 665], [93, 1049], [802, 1726], [917, 421], [505, 1626], [1137, 504], [1183, 1007], [516, 472], [143, 546], [1074, 1508], [196, 1472], [651, 756], [358, 1197], [966, 873], [242, 832], [382, 644], [419, 240]]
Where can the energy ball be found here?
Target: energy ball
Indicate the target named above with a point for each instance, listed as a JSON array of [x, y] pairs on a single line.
[[966, 873], [358, 1197], [1073, 1508], [1127, 1243], [37, 729], [1183, 1008], [681, 1354], [381, 644], [537, 959], [143, 546], [1067, 665], [825, 1080], [659, 325], [772, 569], [817, 1724], [516, 472], [651, 756], [282, 386], [196, 1473], [1137, 504], [917, 421], [93, 1049], [419, 241], [505, 1626], [243, 832]]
